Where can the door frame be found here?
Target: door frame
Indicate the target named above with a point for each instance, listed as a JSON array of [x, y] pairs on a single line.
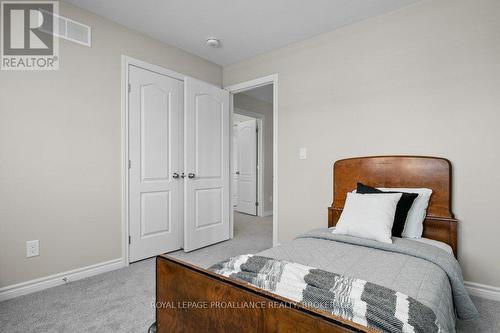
[[247, 85], [261, 119], [126, 62]]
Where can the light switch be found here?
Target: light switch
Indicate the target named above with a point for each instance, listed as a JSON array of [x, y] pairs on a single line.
[[32, 248], [302, 153]]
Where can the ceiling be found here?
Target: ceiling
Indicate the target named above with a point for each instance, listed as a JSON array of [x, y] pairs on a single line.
[[246, 28], [264, 93]]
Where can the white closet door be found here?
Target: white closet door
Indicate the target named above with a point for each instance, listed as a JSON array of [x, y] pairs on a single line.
[[155, 106], [247, 167], [207, 201]]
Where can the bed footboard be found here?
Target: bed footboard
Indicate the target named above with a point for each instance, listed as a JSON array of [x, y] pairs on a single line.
[[192, 299]]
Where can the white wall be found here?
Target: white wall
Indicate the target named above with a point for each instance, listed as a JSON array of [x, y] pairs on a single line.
[[249, 103], [60, 146], [424, 80]]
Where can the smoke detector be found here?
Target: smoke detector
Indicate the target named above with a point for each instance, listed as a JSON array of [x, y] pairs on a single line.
[[213, 42]]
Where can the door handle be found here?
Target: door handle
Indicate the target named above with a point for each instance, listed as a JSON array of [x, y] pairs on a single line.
[[237, 172], [175, 175], [191, 175], [183, 175]]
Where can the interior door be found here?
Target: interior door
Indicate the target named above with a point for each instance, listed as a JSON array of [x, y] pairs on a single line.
[[155, 108], [247, 167], [207, 201], [234, 167]]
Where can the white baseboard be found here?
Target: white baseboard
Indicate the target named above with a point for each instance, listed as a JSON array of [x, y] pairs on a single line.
[[483, 291], [50, 281], [267, 213]]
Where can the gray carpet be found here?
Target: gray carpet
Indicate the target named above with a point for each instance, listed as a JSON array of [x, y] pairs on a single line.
[[251, 235], [120, 301]]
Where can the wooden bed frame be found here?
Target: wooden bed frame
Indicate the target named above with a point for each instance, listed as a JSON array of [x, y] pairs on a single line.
[[401, 171], [193, 299]]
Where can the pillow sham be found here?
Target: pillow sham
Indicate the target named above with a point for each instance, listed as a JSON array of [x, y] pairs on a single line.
[[369, 216], [414, 226], [402, 208]]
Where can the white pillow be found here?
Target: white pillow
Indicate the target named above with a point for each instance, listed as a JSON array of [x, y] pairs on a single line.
[[414, 226], [368, 216]]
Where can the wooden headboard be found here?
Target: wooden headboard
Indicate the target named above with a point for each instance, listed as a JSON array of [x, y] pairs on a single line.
[[401, 171]]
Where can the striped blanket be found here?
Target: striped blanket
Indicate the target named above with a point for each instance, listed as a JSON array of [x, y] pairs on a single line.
[[353, 299]]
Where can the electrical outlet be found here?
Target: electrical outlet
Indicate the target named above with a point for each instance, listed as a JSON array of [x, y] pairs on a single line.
[[32, 248]]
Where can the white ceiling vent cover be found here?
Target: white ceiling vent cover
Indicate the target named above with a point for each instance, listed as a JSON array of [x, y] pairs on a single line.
[[74, 31]]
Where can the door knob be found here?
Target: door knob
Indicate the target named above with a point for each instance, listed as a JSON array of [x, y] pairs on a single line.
[[175, 175], [191, 175]]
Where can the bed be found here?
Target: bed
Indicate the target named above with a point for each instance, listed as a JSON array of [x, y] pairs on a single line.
[[192, 299]]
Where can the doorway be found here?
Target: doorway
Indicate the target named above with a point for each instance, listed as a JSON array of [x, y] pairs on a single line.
[[176, 162], [247, 169], [253, 162], [203, 175]]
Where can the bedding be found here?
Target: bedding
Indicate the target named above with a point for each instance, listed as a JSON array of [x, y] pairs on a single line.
[[421, 271], [433, 242], [369, 216], [354, 299], [402, 209], [438, 244], [414, 225]]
